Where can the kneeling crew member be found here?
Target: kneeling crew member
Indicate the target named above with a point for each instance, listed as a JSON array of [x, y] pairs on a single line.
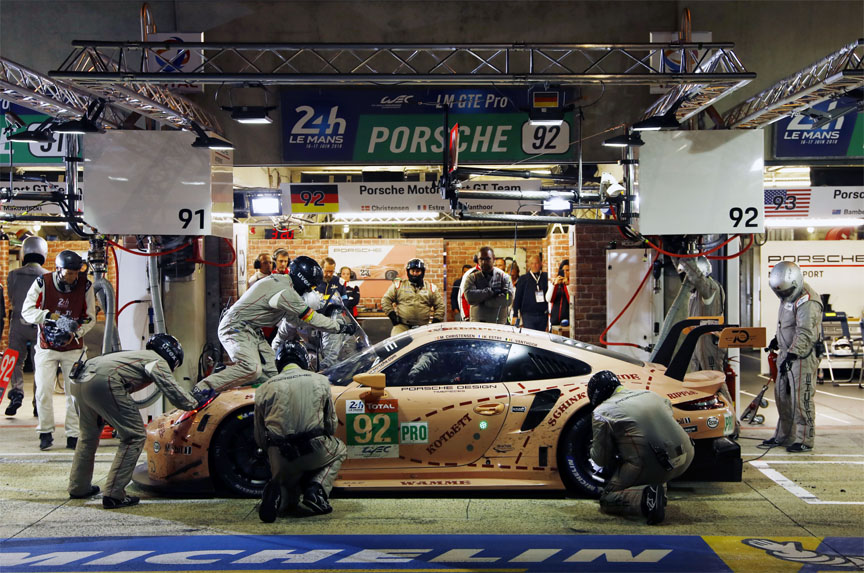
[[268, 301], [295, 421], [411, 303], [638, 442], [103, 395]]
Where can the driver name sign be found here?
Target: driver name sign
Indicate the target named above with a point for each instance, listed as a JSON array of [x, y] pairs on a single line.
[[372, 428]]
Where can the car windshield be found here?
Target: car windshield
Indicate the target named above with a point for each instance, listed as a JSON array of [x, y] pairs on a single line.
[[595, 349], [342, 373]]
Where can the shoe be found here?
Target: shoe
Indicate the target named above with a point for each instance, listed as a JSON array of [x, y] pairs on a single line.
[[798, 447], [114, 503], [768, 444], [94, 489], [269, 502], [16, 397], [314, 501], [46, 440], [71, 443], [35, 411], [654, 503], [289, 506]]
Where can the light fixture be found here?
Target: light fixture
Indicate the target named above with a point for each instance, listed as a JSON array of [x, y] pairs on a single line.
[[250, 114], [265, 203], [12, 120], [42, 134], [628, 139], [609, 187], [346, 228], [205, 141], [87, 123], [658, 122], [556, 204]]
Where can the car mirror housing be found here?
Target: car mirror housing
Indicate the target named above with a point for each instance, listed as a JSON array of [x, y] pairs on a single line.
[[377, 382]]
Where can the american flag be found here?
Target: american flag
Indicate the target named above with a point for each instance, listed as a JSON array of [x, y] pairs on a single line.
[[787, 202]]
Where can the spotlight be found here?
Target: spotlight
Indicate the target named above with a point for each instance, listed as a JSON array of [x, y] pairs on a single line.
[[546, 109], [609, 187], [253, 114], [87, 123], [265, 204], [205, 141], [42, 134], [627, 140], [658, 122]]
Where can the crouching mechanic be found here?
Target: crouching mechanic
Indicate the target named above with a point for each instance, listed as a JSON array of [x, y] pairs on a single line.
[[103, 395], [295, 421], [799, 329], [638, 444], [266, 303], [411, 303]]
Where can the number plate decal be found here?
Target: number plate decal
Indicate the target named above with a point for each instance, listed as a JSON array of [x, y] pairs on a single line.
[[372, 429], [7, 365]]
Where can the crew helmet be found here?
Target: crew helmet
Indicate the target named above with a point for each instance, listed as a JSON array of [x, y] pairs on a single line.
[[418, 264], [167, 347], [69, 260], [601, 386], [34, 250], [703, 265], [305, 273], [786, 279], [291, 352]]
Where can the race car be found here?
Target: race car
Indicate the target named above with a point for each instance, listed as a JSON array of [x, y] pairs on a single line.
[[451, 405]]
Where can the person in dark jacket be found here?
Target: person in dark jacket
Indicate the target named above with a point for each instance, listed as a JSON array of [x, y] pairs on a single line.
[[559, 296], [530, 299], [455, 299]]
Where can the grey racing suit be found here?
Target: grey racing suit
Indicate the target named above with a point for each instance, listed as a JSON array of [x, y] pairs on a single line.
[[296, 408], [799, 328], [636, 436], [413, 305], [103, 395], [266, 303], [21, 333], [480, 290]]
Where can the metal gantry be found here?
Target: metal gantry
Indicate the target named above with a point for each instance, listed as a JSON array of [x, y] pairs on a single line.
[[831, 76]]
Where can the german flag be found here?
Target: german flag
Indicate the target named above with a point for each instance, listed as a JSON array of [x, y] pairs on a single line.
[[314, 198], [545, 99]]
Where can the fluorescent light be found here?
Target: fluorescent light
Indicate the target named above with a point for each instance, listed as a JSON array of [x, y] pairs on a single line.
[[556, 204], [794, 170], [547, 122], [801, 223], [265, 205]]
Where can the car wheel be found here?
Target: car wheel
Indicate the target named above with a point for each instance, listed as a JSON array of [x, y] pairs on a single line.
[[579, 474], [237, 464]]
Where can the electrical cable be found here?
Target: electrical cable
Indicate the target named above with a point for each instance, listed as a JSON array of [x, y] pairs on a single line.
[[728, 257], [116, 277], [196, 257], [629, 302], [158, 254], [130, 303]]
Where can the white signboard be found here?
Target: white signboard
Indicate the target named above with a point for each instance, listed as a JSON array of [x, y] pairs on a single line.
[[147, 183], [701, 182], [20, 206], [389, 198], [815, 203]]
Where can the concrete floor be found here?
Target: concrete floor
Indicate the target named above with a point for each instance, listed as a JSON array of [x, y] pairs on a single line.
[[790, 496]]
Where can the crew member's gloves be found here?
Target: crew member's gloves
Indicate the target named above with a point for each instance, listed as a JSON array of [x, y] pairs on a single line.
[[436, 320], [333, 307], [394, 318], [347, 328], [772, 345], [786, 365], [203, 395]]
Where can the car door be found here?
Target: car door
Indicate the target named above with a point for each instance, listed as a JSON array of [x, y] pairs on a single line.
[[450, 405]]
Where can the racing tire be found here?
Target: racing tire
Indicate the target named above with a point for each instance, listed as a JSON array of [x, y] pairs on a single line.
[[237, 464], [580, 476]]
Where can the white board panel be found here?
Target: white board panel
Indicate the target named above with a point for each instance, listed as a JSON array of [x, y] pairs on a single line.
[[147, 183], [701, 182]]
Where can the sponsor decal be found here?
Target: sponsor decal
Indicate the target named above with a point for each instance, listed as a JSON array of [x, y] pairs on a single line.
[[680, 393], [355, 407], [629, 377], [712, 422], [436, 482], [518, 409], [690, 429], [414, 433], [728, 424], [553, 419], [833, 258], [448, 434], [156, 447], [684, 420], [503, 448], [374, 433]]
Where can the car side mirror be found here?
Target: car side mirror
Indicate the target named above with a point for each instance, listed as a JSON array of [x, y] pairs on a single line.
[[378, 382]]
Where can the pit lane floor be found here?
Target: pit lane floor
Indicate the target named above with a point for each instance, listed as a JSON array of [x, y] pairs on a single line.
[[791, 512]]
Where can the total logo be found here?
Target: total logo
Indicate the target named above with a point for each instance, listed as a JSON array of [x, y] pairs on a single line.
[[318, 127]]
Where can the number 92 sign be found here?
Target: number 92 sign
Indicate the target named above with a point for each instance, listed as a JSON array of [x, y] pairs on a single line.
[[372, 429], [545, 139]]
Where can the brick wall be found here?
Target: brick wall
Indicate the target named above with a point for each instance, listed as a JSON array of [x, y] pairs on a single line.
[[588, 273]]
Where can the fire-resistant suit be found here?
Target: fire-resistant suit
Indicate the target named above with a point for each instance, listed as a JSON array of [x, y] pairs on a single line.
[[21, 332], [636, 433], [103, 395], [266, 303], [799, 328], [331, 343], [413, 304], [44, 298], [295, 421], [706, 299], [489, 295]]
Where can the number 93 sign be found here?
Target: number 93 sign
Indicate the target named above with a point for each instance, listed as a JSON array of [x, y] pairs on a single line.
[[372, 429]]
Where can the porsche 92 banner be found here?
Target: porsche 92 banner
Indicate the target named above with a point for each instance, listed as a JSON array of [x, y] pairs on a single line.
[[406, 126]]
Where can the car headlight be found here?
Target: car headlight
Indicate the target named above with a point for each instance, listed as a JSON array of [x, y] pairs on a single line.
[[709, 403]]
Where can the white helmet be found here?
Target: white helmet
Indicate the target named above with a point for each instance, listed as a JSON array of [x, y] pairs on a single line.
[[32, 249], [703, 265], [786, 280]]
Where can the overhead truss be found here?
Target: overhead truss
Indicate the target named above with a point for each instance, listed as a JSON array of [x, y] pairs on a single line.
[[830, 77]]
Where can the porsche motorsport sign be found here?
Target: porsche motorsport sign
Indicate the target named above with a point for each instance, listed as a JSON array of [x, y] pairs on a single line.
[[405, 126]]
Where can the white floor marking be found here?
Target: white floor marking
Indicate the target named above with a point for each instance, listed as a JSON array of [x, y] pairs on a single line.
[[173, 501], [796, 489], [832, 417], [41, 454], [754, 395], [838, 395], [815, 455]]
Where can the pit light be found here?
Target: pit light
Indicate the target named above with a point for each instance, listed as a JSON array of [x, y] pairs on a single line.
[[708, 403]]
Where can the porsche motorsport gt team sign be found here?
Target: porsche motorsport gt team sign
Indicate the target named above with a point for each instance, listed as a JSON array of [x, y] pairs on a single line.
[[405, 126]]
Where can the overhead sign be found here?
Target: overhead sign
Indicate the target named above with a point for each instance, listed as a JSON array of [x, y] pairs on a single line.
[[815, 203], [176, 61], [21, 206], [394, 198], [28, 154], [842, 138], [406, 126]]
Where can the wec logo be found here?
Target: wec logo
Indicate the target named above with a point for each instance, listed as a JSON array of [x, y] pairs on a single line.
[[398, 100]]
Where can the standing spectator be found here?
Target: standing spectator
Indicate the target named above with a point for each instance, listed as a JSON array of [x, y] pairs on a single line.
[[456, 296], [23, 334], [500, 263], [488, 290], [63, 305], [513, 271], [799, 330], [414, 302], [530, 299], [281, 260], [559, 296], [352, 293], [263, 266]]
